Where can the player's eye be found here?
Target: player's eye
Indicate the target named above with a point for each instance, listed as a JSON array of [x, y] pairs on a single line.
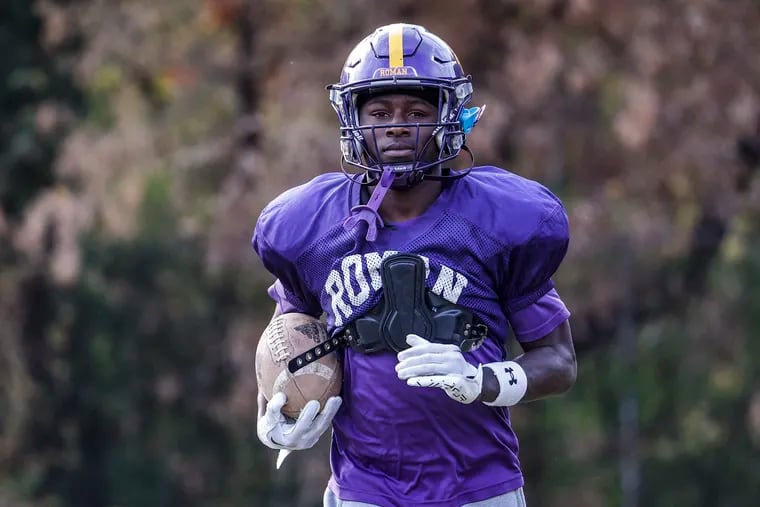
[[419, 114]]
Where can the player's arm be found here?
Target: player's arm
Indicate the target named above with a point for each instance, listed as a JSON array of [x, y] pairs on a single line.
[[547, 367], [548, 364], [273, 428], [536, 314], [291, 294], [277, 431]]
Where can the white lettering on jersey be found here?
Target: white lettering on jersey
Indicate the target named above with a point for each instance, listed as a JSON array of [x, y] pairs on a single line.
[[334, 288], [355, 262], [449, 284], [351, 282], [426, 262]]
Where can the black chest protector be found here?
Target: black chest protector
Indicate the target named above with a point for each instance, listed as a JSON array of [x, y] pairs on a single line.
[[406, 307]]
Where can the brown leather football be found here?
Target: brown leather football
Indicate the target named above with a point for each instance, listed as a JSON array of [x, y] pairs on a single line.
[[285, 337]]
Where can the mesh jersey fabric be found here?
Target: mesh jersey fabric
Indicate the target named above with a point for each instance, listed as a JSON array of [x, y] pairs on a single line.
[[491, 242]]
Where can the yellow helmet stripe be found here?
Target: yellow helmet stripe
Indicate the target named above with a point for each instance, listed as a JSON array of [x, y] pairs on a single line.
[[396, 46]]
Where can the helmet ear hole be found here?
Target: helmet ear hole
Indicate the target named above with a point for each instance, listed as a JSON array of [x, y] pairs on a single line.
[[345, 148]]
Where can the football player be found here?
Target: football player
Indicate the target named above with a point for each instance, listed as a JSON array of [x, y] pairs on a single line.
[[421, 271]]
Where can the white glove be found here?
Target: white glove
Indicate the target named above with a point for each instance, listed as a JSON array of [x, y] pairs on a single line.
[[428, 364], [277, 431]]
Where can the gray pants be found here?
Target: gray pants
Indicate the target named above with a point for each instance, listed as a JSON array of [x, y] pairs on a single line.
[[514, 498]]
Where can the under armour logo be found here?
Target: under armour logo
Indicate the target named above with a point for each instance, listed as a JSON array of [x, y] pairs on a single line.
[[512, 378]]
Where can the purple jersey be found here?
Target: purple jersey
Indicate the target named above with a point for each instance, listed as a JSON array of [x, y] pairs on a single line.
[[490, 242]]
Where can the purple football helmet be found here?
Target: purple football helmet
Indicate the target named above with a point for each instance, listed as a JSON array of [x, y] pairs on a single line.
[[404, 58]]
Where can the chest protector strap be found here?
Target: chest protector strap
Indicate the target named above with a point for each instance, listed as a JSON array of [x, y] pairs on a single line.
[[407, 307]]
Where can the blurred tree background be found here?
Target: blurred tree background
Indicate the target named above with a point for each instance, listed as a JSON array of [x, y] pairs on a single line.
[[140, 139]]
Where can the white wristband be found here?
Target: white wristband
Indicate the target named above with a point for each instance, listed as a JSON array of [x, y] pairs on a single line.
[[513, 383]]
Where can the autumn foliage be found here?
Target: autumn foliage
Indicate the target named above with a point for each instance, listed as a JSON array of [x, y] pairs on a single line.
[[139, 140]]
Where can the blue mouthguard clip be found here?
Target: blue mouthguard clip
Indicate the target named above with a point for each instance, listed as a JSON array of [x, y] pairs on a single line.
[[470, 116]]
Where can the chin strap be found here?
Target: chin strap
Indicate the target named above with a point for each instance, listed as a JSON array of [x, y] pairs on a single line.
[[368, 212]]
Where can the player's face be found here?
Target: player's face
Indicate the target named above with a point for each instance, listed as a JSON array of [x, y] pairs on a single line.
[[393, 142]]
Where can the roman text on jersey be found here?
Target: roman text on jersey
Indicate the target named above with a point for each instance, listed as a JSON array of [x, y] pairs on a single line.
[[358, 278]]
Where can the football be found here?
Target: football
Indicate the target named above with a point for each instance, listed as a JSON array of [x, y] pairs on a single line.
[[285, 337]]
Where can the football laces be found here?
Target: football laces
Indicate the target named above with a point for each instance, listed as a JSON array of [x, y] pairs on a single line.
[[277, 345]]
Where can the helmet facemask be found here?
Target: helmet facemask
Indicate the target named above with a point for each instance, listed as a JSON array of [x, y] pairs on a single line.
[[450, 98]]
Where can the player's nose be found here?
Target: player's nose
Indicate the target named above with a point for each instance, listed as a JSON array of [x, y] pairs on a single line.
[[397, 130]]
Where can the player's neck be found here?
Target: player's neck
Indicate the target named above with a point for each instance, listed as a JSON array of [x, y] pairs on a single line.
[[403, 205]]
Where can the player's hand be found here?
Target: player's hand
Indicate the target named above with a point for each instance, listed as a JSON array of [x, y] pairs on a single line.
[[277, 431], [427, 364]]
